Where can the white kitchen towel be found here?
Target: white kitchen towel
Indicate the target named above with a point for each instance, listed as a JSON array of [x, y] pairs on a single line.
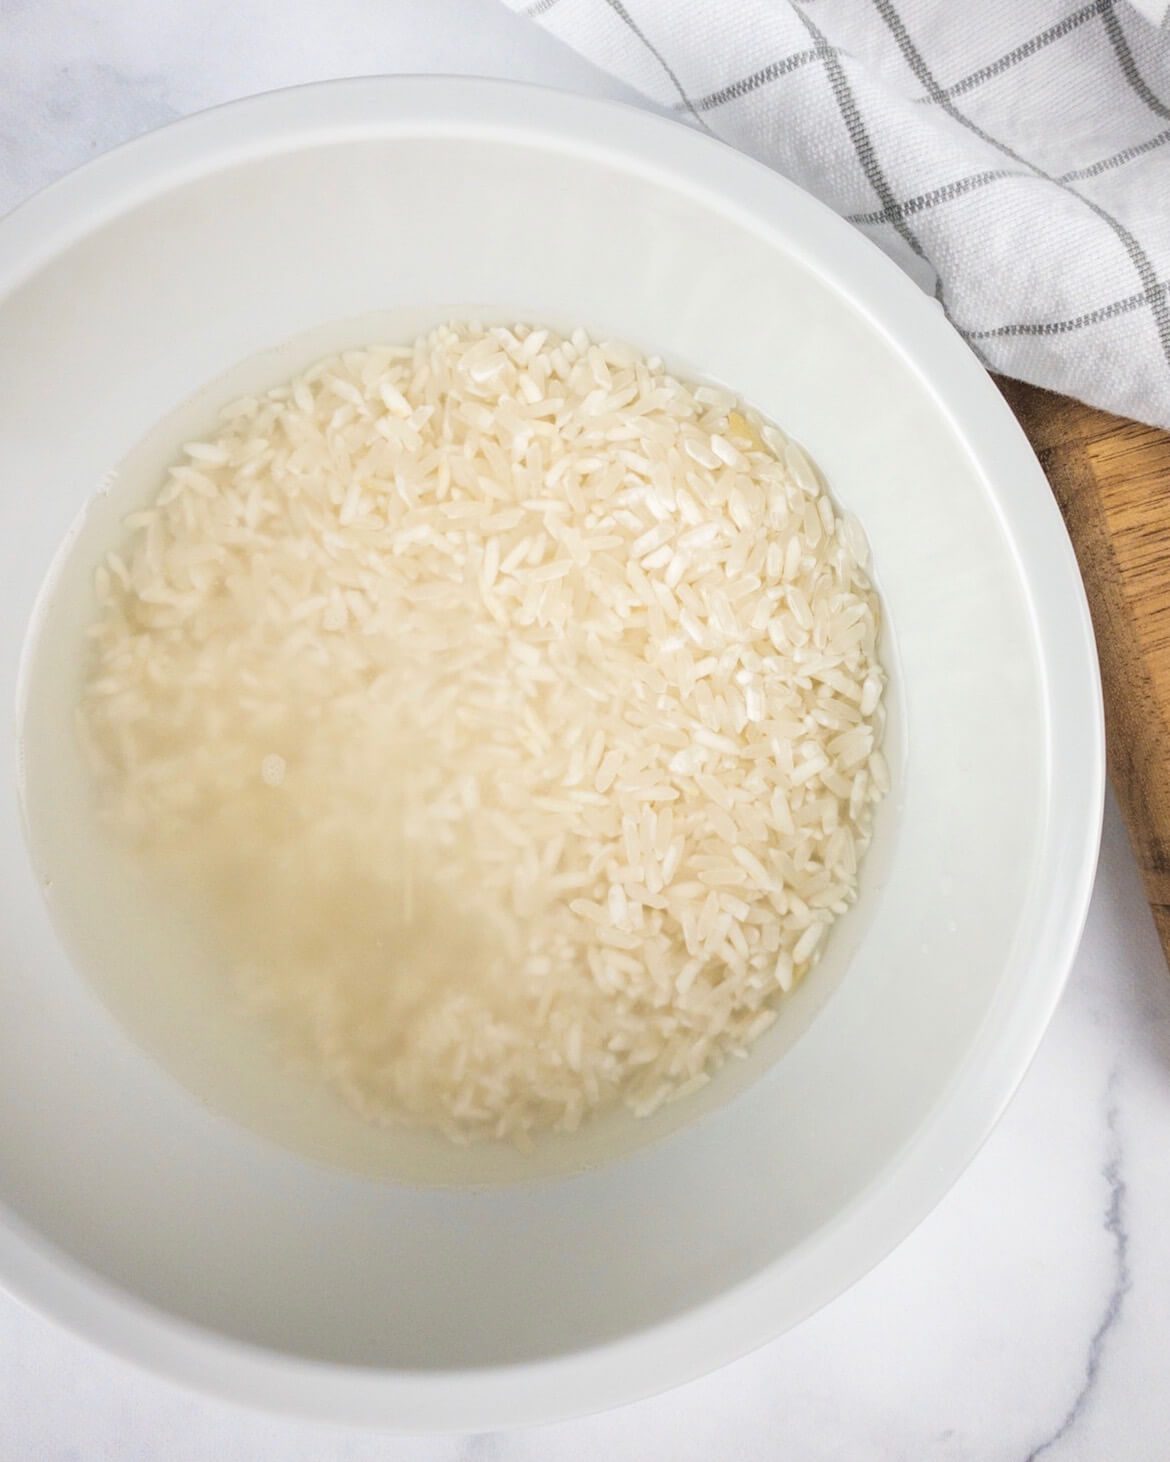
[[1012, 155]]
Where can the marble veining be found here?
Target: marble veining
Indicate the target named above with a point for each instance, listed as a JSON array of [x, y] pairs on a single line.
[[1115, 1229]]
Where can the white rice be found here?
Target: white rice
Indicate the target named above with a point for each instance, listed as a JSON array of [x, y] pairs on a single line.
[[512, 706]]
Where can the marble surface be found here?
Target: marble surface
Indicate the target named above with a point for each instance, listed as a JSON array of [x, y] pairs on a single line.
[[1029, 1316]]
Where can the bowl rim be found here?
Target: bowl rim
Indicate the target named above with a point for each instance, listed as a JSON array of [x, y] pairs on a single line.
[[791, 1288]]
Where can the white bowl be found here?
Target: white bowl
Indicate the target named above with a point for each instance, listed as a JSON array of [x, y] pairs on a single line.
[[150, 1223]]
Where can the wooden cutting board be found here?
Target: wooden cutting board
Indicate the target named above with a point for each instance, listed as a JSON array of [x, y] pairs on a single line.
[[1111, 478]]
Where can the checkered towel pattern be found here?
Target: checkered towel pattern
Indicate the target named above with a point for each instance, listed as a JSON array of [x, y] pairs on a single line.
[[1013, 156]]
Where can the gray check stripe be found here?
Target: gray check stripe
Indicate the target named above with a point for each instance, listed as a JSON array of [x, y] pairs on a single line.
[[1155, 294], [913, 58], [747, 84], [787, 64], [1077, 322], [864, 149], [1119, 159], [935, 196], [1129, 68], [632, 26], [960, 186], [1022, 52], [862, 142]]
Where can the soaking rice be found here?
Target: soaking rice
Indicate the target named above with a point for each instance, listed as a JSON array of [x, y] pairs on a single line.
[[514, 709]]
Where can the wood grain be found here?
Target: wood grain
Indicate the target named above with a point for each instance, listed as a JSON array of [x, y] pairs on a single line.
[[1112, 480]]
